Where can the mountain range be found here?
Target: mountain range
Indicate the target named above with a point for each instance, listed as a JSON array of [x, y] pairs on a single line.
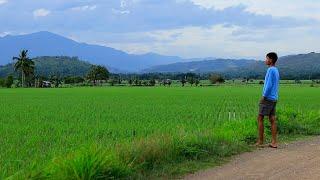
[[292, 66], [50, 44], [57, 54]]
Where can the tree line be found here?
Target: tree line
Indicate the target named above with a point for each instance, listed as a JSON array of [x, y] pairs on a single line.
[[96, 75], [25, 68], [26, 76]]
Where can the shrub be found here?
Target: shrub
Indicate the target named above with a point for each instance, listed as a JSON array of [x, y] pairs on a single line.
[[292, 122], [2, 82], [215, 78], [88, 163]]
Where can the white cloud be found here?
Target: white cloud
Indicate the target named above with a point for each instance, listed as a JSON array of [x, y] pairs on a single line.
[[3, 2], [284, 8], [2, 34], [123, 7], [84, 8], [116, 11], [41, 13], [123, 4], [226, 41], [239, 39]]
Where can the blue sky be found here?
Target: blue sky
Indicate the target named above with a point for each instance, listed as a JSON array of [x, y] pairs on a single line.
[[187, 28]]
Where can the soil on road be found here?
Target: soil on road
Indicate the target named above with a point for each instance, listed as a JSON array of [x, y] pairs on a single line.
[[298, 160]]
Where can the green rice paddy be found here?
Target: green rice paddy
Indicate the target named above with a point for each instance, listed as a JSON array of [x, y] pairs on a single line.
[[124, 131]]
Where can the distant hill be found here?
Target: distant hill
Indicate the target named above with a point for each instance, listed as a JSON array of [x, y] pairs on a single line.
[[301, 66], [293, 66], [216, 65], [57, 65], [49, 44]]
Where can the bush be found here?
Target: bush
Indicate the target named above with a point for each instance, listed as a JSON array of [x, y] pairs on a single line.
[[73, 80], [215, 78], [152, 82], [91, 163], [292, 122], [297, 81], [2, 82]]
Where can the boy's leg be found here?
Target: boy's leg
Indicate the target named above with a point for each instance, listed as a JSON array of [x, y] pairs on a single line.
[[260, 130], [273, 123]]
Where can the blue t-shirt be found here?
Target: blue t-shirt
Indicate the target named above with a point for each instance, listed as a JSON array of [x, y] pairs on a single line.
[[271, 85]]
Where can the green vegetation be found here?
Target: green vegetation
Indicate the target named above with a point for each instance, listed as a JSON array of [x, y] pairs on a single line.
[[119, 132], [46, 66], [98, 73], [6, 82], [25, 65], [215, 78], [9, 81]]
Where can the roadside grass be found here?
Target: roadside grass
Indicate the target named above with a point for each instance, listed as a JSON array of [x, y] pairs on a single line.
[[162, 156]]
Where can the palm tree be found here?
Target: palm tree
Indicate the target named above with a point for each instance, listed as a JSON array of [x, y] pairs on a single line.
[[24, 64]]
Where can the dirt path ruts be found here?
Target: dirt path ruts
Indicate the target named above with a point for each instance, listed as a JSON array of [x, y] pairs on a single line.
[[298, 160]]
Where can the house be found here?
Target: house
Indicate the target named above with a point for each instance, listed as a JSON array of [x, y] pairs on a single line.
[[46, 84], [166, 82]]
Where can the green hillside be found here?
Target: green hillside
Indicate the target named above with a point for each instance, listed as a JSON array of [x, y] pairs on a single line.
[[56, 65]]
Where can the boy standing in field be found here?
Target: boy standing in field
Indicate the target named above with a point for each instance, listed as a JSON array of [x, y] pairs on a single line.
[[267, 105]]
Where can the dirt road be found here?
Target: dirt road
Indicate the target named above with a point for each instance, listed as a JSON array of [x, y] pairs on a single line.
[[298, 160]]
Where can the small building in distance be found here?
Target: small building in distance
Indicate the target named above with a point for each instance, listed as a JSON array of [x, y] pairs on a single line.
[[46, 84]]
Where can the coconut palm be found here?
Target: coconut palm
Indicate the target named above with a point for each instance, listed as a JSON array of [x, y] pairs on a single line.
[[24, 64]]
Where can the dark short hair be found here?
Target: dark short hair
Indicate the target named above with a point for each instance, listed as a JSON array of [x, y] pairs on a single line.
[[273, 56]]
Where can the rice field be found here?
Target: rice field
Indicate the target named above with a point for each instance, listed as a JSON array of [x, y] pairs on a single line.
[[140, 128]]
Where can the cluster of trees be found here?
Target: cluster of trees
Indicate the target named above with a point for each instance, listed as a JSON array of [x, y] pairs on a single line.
[[162, 76], [73, 80], [25, 66], [216, 79], [164, 79], [137, 82], [6, 82], [98, 74], [25, 69]]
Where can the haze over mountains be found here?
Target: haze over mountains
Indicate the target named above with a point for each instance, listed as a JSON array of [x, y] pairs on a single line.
[[49, 44]]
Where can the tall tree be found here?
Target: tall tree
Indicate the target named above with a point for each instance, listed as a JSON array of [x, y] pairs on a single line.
[[56, 80], [183, 81], [24, 64], [197, 82], [191, 77], [2, 82], [191, 80], [130, 82], [9, 81], [97, 73]]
